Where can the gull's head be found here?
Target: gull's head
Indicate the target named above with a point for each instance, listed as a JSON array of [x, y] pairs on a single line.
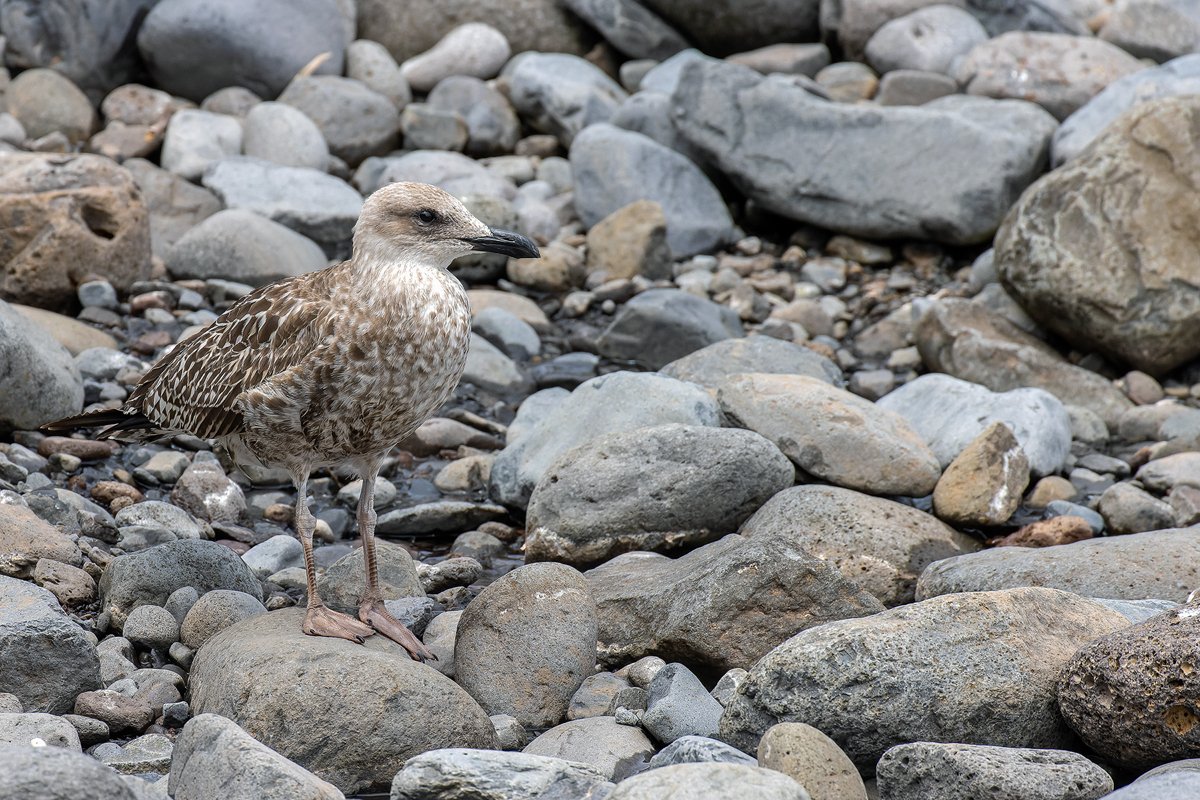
[[417, 222]]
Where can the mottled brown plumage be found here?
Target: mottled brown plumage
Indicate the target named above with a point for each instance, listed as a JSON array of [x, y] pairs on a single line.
[[328, 368]]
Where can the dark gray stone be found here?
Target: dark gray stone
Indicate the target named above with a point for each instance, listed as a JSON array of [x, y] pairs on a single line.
[[684, 485], [885, 170], [195, 47], [630, 27], [718, 606], [664, 325], [917, 672], [45, 658], [151, 576], [615, 167], [722, 27], [214, 612], [931, 771]]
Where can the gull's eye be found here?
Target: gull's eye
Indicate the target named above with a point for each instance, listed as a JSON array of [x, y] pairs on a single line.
[[426, 217]]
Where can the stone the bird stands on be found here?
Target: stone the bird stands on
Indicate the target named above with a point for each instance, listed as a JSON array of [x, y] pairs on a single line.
[[329, 368]]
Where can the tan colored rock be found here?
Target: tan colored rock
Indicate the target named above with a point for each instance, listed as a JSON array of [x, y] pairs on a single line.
[[71, 585], [631, 241], [86, 449], [1147, 672], [1049, 489], [811, 758], [984, 484], [971, 342], [70, 333], [1048, 533], [515, 304], [1057, 71], [25, 538], [67, 219], [1097, 252], [559, 269], [881, 545], [832, 433], [807, 313]]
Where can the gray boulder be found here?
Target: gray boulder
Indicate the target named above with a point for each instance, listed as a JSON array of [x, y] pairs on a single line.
[[932, 771], [664, 325], [526, 642], [308, 201], [150, 576], [195, 140], [45, 658], [370, 63], [214, 757], [885, 170], [621, 401], [195, 47], [52, 773], [949, 413], [22, 728], [491, 775], [491, 370], [630, 27], [562, 93], [680, 484], [40, 382], [916, 672], [711, 366], [1157, 564], [678, 705], [615, 167], [356, 121], [240, 245], [717, 607], [270, 678]]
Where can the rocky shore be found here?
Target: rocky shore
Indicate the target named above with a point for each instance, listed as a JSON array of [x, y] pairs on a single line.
[[843, 442]]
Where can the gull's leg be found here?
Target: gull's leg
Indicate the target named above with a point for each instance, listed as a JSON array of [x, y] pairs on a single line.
[[372, 610], [320, 619]]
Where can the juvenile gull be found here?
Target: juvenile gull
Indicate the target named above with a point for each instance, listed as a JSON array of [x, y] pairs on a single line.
[[328, 368]]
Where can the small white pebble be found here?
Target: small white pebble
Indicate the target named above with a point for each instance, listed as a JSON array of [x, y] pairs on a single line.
[[37, 742]]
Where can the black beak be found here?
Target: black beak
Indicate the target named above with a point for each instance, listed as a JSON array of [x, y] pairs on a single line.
[[506, 243]]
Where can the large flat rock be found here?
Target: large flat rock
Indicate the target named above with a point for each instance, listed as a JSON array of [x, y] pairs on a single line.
[[1160, 565]]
